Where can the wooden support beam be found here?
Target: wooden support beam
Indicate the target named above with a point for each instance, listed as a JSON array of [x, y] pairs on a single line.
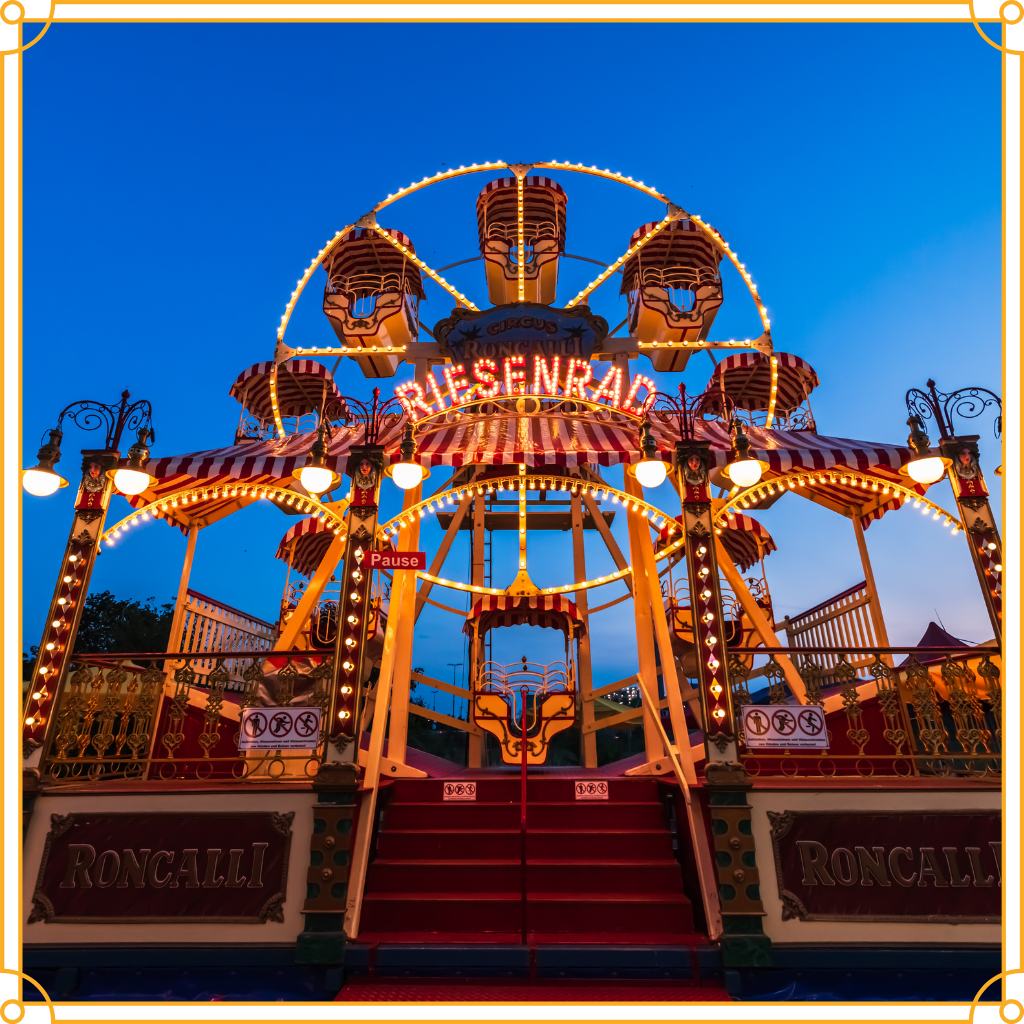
[[437, 716], [308, 602], [457, 691], [588, 741], [442, 552], [647, 569], [758, 620], [648, 674], [405, 612], [874, 607], [606, 535]]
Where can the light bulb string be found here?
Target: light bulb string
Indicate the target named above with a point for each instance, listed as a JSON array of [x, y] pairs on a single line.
[[795, 479]]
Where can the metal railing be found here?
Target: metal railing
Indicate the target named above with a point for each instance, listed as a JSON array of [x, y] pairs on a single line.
[[217, 629], [939, 713], [116, 717]]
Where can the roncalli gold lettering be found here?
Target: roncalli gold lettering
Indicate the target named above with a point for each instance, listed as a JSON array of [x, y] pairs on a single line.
[[173, 869], [924, 866]]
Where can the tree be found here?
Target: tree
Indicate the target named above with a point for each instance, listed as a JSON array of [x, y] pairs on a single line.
[[123, 626]]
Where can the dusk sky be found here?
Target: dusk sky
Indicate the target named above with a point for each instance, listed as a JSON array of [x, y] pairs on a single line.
[[178, 180]]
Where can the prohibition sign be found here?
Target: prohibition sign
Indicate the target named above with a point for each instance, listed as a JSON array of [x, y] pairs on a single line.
[[756, 722], [281, 724], [810, 723], [784, 722], [255, 724], [306, 724]]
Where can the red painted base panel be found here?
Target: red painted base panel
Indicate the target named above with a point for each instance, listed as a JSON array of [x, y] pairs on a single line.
[[526, 991]]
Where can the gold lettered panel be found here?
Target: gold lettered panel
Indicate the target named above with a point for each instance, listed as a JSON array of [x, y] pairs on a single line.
[[125, 868], [920, 866]]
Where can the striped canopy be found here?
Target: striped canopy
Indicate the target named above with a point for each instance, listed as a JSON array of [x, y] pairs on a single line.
[[746, 377], [302, 387], [535, 442], [742, 536], [363, 263], [551, 610], [303, 547]]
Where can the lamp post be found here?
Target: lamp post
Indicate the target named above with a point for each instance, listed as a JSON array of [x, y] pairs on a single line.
[[957, 456], [365, 466], [102, 473], [743, 939]]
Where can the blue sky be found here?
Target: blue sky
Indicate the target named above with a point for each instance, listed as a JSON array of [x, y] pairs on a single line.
[[178, 179]]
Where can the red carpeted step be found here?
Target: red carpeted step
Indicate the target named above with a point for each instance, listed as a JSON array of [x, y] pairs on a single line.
[[474, 815], [542, 876], [509, 991], [542, 844], [500, 788], [548, 912]]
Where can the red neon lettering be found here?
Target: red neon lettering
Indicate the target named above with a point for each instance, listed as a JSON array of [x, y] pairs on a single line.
[[576, 383], [455, 384], [432, 384], [610, 387], [485, 374], [412, 398], [515, 380], [545, 383], [640, 381]]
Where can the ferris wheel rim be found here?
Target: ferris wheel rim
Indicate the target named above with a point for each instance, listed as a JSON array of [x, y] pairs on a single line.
[[705, 227]]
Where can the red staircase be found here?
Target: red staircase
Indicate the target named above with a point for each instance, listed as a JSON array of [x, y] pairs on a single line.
[[596, 870]]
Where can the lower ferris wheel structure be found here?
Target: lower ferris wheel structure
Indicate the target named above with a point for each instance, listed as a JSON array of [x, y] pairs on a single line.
[[761, 800]]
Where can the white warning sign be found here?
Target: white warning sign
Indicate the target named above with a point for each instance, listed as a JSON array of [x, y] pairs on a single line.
[[784, 726], [293, 728]]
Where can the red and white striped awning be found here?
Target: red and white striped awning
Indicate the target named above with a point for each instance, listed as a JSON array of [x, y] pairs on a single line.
[[303, 547], [302, 387], [786, 451], [746, 377], [531, 441], [743, 537], [551, 610]]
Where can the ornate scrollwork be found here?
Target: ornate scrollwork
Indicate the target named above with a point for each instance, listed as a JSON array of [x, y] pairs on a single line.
[[781, 822], [776, 676], [925, 701]]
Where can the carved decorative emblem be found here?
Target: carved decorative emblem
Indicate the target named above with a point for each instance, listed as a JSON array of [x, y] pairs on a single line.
[[782, 822]]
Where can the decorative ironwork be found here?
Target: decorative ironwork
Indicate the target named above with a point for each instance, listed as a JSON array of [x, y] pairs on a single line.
[[88, 414], [967, 403], [376, 418], [110, 723], [686, 411]]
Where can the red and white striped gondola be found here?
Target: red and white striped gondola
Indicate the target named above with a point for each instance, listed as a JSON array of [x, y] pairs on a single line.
[[552, 611], [543, 227], [776, 385], [372, 297], [300, 387], [305, 544], [674, 289]]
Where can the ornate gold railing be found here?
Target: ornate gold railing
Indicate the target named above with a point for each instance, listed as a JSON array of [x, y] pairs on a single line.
[[939, 714], [120, 717]]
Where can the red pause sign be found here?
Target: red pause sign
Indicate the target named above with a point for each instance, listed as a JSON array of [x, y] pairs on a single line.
[[398, 560]]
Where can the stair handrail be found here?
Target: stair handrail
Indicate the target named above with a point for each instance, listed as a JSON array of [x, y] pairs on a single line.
[[695, 819]]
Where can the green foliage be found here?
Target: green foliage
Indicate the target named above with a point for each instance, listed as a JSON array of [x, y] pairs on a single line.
[[123, 626]]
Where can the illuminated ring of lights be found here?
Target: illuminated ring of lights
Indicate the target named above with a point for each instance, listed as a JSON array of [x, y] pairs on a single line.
[[423, 508], [212, 492], [802, 477], [497, 165]]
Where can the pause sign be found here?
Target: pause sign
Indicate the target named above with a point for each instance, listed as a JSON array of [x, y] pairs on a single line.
[[292, 728]]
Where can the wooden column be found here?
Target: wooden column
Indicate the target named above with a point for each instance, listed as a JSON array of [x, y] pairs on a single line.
[[647, 569], [588, 738], [874, 607], [475, 752], [405, 613], [174, 642], [644, 638]]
